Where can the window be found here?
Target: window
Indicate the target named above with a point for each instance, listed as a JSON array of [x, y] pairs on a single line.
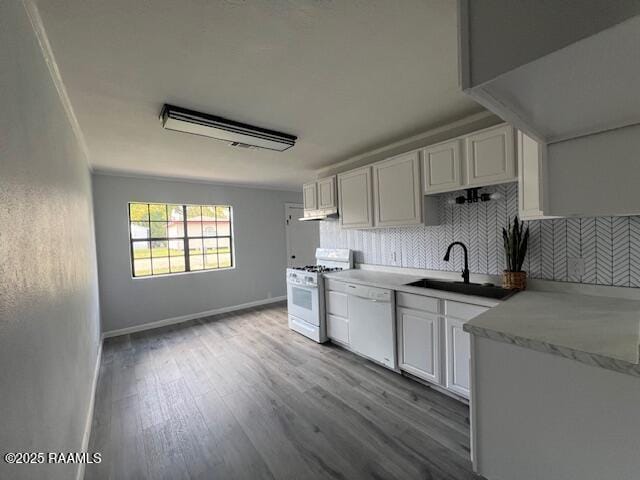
[[168, 238]]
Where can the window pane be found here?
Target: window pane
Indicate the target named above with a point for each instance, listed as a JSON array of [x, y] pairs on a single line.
[[224, 227], [141, 267], [196, 262], [176, 248], [224, 259], [139, 212], [224, 245], [157, 212], [175, 228], [209, 211], [160, 265], [195, 247], [223, 213], [210, 245], [211, 261], [159, 249], [175, 212], [177, 264], [141, 250], [208, 228], [194, 228], [139, 229], [159, 230], [194, 211]]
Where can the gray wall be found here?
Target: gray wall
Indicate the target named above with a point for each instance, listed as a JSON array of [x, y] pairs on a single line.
[[505, 34], [49, 315], [260, 251]]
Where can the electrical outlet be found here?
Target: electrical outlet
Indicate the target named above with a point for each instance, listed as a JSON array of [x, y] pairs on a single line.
[[575, 268], [395, 258]]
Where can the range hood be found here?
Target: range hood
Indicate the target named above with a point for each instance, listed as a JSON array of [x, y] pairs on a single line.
[[317, 215], [235, 133]]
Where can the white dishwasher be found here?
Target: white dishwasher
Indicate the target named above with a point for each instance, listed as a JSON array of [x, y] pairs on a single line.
[[371, 323]]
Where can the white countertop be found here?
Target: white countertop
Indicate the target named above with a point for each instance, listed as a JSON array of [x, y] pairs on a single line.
[[597, 330], [398, 281]]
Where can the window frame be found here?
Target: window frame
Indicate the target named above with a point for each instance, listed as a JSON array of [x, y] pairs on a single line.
[[184, 238]]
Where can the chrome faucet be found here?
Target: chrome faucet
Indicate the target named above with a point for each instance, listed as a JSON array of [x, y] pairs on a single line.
[[465, 272]]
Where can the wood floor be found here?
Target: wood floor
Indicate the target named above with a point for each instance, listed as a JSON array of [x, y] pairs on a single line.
[[240, 396]]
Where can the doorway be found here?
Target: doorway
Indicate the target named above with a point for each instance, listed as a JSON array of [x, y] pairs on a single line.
[[302, 237]]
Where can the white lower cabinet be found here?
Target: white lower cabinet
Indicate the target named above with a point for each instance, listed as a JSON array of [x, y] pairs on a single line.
[[338, 328], [458, 345], [458, 348], [337, 313], [431, 342], [419, 343]]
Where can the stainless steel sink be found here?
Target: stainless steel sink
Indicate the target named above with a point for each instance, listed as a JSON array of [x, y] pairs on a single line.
[[487, 291]]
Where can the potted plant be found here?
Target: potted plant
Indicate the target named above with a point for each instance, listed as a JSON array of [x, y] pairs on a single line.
[[515, 249]]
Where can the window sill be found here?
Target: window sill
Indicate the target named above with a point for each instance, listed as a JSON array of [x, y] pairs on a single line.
[[179, 274]]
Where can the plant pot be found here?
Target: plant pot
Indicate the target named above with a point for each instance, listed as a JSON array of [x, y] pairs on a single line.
[[514, 280]]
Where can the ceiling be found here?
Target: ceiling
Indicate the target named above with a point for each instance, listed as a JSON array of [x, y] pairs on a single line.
[[344, 76]]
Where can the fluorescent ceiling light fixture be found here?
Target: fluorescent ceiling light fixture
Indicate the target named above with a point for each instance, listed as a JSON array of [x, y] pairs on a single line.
[[235, 133]]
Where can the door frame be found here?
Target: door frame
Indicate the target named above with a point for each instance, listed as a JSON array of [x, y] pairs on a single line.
[[286, 227]]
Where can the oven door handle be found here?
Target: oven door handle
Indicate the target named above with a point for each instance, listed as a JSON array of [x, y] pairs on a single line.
[[303, 285]]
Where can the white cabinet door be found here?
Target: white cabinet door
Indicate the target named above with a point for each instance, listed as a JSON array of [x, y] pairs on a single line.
[[442, 167], [396, 191], [338, 328], [309, 196], [355, 198], [419, 343], [458, 356], [490, 157], [327, 193]]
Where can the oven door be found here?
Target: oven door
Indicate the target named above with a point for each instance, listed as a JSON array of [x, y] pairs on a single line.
[[302, 302]]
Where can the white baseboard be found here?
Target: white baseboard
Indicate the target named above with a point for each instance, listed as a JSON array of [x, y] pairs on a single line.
[[191, 316], [89, 420]]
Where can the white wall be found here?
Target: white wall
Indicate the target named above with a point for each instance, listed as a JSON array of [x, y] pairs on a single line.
[[539, 416], [260, 251], [49, 315]]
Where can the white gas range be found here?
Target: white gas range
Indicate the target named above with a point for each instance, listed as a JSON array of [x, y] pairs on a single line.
[[305, 292]]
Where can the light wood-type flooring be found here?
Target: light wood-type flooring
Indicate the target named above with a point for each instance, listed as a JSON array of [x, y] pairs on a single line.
[[240, 396]]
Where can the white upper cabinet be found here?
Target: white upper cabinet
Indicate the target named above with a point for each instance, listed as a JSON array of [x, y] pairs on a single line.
[[442, 167], [327, 193], [310, 196], [532, 172], [396, 191], [490, 157], [355, 198]]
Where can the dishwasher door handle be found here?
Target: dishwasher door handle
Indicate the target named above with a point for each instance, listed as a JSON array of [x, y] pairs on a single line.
[[368, 298]]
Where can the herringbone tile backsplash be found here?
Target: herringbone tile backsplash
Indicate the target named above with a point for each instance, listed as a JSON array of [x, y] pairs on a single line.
[[609, 246]]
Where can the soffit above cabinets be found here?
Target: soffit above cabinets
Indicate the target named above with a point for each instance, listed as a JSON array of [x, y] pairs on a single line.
[[578, 89]]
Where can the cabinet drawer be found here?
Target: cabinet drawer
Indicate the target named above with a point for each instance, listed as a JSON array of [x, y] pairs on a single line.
[[338, 328], [418, 302], [335, 285], [463, 311], [337, 303]]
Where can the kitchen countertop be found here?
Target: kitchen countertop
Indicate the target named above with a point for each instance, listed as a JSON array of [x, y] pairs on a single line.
[[398, 281], [596, 330]]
